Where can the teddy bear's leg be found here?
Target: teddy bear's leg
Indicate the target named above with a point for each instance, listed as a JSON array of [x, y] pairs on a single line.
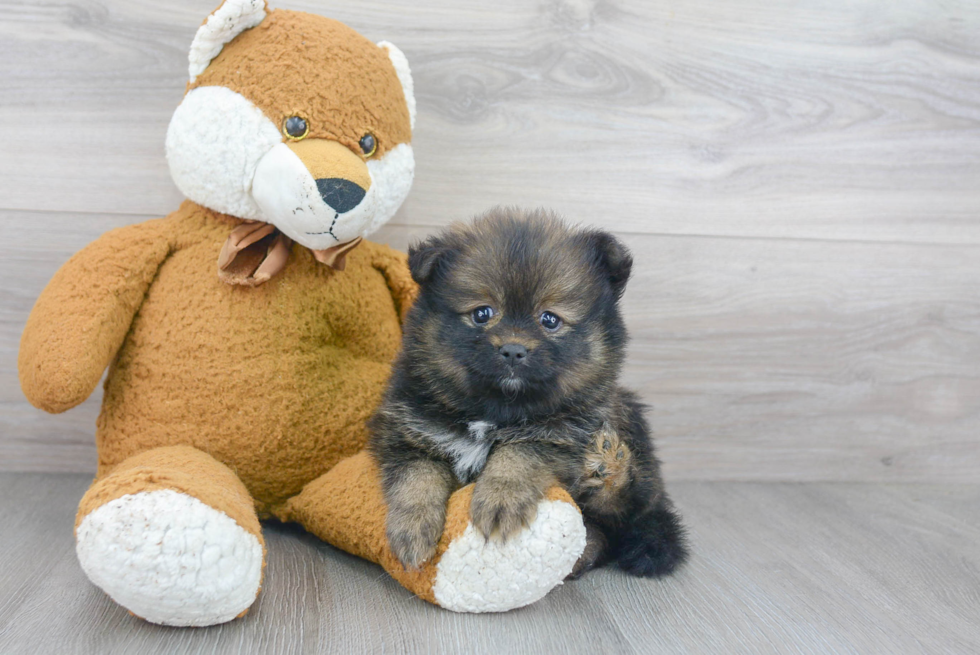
[[345, 507], [171, 534]]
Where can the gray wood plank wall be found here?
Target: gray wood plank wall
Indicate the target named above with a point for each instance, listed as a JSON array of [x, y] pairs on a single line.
[[800, 182]]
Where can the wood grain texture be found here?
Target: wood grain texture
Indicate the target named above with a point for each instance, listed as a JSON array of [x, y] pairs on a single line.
[[802, 360], [824, 119], [788, 568]]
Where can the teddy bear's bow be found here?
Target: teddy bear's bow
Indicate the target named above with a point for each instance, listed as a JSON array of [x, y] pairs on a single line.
[[255, 252]]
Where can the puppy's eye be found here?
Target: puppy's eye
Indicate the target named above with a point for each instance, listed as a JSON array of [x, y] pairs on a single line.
[[295, 128], [368, 144], [482, 314], [550, 321]]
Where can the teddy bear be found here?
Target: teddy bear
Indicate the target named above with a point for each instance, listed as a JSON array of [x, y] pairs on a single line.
[[248, 337]]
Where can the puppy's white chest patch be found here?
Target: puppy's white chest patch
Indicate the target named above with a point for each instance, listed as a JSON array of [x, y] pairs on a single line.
[[470, 458], [469, 455], [479, 429]]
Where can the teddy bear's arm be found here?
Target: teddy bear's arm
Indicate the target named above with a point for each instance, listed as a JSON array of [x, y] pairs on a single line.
[[394, 266], [82, 316]]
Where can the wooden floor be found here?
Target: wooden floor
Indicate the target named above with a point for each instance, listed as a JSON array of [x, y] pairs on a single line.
[[777, 568]]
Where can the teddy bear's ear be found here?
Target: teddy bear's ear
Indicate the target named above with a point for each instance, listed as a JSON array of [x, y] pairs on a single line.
[[400, 63], [225, 23]]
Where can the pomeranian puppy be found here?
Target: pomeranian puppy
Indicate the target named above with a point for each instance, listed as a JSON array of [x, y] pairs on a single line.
[[508, 377]]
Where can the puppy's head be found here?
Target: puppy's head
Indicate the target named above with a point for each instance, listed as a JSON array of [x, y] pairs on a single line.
[[517, 310]]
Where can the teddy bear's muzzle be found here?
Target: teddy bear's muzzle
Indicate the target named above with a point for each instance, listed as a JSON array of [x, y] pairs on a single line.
[[329, 160], [317, 191]]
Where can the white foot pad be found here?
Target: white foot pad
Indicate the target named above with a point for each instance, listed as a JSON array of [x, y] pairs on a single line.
[[474, 575], [170, 559]]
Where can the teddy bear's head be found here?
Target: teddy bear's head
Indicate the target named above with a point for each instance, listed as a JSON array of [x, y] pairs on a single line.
[[295, 120]]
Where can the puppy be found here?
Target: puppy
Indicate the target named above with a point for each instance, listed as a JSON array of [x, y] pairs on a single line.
[[508, 376]]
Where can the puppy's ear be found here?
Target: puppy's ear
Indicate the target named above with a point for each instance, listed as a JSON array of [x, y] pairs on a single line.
[[425, 258], [611, 257]]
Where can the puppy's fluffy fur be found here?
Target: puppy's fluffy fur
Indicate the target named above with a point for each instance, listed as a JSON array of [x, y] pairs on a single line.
[[507, 376]]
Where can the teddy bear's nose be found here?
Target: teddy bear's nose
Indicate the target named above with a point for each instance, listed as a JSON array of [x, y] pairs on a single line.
[[342, 195]]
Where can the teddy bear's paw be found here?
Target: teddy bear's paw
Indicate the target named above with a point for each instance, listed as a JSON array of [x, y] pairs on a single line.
[[480, 575], [170, 559]]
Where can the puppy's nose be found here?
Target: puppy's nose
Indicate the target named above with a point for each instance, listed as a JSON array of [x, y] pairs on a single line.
[[513, 353], [342, 195]]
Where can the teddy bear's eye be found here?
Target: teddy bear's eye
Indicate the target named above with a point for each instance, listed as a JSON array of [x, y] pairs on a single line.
[[368, 144], [295, 128], [482, 314], [550, 321]]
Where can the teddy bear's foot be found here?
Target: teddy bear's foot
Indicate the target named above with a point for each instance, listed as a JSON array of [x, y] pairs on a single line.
[[170, 559], [476, 575], [468, 573], [163, 554]]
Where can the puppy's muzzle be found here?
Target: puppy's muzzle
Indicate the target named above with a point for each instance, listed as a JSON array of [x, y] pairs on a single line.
[[513, 353]]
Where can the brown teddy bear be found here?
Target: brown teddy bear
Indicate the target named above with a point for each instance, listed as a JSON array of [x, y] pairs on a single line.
[[249, 335]]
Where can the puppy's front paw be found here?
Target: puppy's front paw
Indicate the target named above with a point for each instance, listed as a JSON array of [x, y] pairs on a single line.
[[413, 533], [501, 507]]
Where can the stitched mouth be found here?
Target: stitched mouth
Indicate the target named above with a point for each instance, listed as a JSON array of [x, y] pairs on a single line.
[[330, 230]]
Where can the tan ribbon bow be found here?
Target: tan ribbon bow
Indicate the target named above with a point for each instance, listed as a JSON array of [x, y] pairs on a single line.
[[256, 251]]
